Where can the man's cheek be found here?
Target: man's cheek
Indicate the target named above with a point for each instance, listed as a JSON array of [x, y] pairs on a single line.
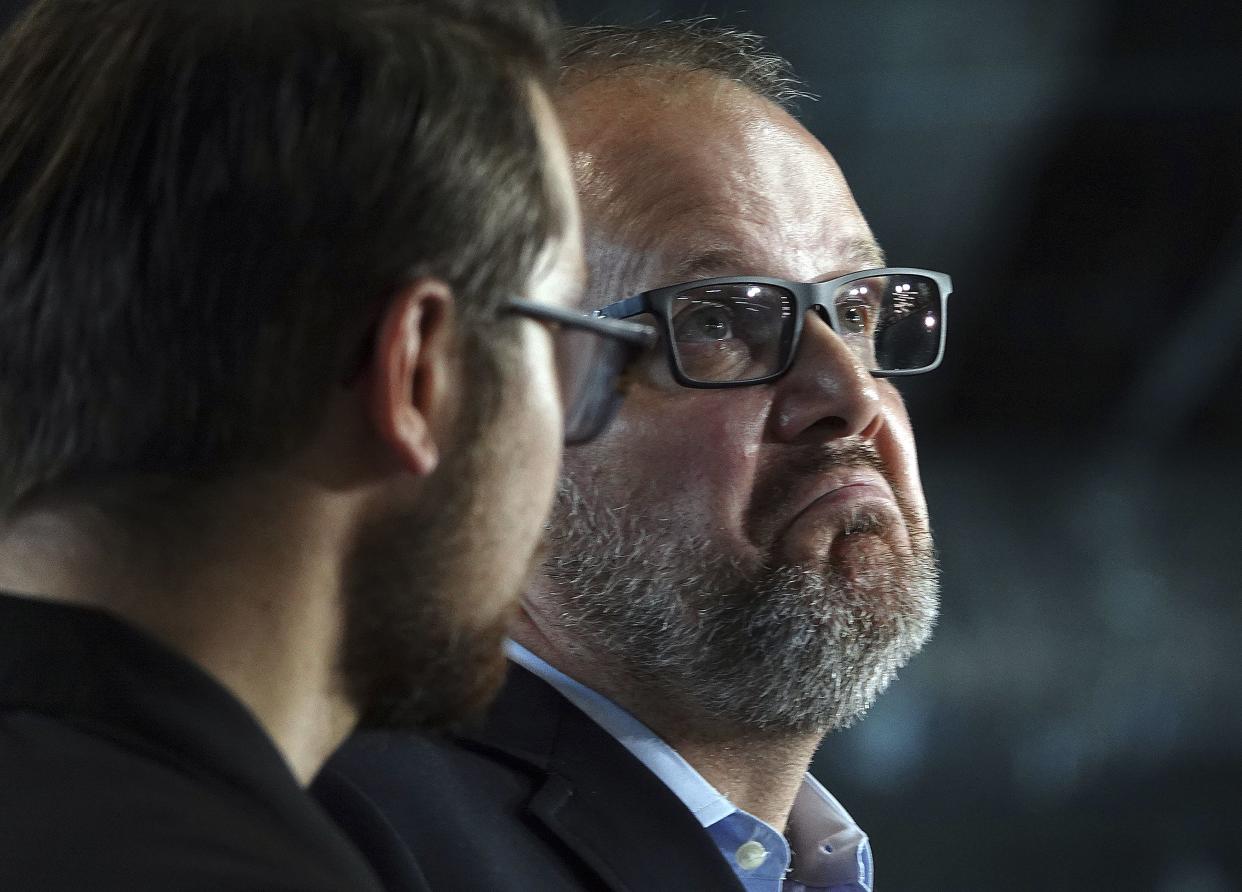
[[708, 462], [897, 447]]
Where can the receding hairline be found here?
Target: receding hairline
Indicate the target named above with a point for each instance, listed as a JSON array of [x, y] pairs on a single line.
[[594, 52], [675, 60], [689, 53]]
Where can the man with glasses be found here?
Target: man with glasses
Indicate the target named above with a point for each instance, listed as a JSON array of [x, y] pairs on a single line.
[[279, 410], [740, 565]]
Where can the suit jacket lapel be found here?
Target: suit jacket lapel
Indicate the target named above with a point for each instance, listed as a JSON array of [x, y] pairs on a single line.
[[599, 800]]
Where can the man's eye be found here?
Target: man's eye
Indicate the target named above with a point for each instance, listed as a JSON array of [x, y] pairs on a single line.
[[856, 318], [707, 322]]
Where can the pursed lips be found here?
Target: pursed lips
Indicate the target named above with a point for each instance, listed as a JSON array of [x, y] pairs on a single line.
[[839, 486]]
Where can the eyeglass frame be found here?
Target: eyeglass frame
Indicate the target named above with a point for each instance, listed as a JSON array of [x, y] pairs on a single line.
[[635, 333], [636, 336], [658, 301]]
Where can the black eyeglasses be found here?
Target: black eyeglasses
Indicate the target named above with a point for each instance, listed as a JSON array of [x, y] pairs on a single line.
[[740, 330], [592, 356]]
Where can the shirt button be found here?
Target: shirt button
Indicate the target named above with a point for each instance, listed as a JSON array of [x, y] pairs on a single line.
[[750, 855]]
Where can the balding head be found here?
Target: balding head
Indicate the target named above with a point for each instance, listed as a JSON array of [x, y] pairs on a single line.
[[686, 154], [692, 177], [685, 579]]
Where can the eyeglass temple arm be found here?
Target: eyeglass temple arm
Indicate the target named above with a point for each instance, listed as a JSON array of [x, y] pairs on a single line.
[[631, 306]]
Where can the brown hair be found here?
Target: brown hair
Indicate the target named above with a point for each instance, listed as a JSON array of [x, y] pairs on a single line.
[[204, 205]]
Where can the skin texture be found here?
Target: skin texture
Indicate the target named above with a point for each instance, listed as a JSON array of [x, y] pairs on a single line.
[[761, 196], [258, 583], [685, 177]]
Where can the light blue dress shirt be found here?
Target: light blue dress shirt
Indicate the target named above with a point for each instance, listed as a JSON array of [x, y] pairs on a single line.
[[825, 851]]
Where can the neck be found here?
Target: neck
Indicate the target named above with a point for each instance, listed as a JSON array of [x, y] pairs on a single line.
[[759, 772], [253, 600]]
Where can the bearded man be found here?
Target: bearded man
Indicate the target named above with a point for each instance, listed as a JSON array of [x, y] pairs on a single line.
[[743, 562], [278, 397]]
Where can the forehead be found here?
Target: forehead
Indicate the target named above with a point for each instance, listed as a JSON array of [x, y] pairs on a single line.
[[700, 178]]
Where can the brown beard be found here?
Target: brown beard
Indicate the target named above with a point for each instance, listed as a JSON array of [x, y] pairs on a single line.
[[413, 655], [409, 662]]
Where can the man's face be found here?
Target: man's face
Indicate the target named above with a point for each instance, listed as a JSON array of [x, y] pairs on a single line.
[[431, 588], [754, 556]]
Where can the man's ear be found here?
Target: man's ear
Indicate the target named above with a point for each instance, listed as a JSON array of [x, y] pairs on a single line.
[[411, 374]]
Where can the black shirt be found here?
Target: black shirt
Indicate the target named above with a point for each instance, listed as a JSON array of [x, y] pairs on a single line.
[[125, 767]]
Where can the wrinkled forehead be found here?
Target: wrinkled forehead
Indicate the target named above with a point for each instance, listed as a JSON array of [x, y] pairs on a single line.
[[699, 177]]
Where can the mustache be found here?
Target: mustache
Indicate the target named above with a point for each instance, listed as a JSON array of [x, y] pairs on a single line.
[[777, 487]]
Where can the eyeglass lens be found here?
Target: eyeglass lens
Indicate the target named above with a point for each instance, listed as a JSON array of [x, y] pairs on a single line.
[[743, 331], [587, 368]]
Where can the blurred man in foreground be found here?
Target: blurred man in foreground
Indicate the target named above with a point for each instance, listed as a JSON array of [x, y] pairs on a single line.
[[279, 412], [743, 562]]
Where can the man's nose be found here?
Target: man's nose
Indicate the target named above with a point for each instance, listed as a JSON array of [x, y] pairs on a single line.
[[828, 393]]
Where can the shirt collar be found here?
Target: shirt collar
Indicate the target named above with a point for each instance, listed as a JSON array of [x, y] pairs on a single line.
[[830, 850], [707, 803]]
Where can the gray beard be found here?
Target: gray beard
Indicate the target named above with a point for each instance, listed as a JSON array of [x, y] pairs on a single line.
[[723, 649]]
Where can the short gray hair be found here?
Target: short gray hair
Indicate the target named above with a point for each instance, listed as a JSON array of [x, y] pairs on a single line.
[[590, 52]]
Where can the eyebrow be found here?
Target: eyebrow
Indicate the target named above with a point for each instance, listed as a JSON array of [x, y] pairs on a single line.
[[865, 251], [860, 252], [714, 260]]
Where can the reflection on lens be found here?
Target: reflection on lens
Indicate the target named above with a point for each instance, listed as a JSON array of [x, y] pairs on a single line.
[[908, 337], [905, 331]]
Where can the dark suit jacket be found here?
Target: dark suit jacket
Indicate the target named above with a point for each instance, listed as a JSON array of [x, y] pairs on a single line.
[[542, 799], [126, 768]]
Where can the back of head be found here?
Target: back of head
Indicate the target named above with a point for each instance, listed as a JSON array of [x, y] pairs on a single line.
[[203, 207]]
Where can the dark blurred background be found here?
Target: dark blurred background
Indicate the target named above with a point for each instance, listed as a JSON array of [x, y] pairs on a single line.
[[1076, 165]]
